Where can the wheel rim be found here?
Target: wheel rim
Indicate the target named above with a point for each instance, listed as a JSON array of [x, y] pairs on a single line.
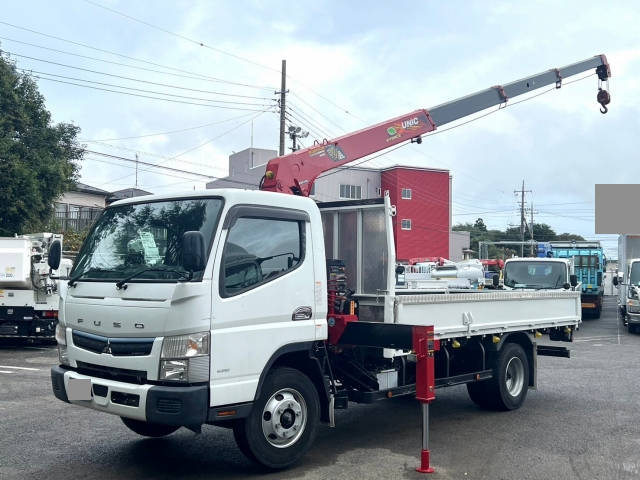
[[284, 418], [514, 377]]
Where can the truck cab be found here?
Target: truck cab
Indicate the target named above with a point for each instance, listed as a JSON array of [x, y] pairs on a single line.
[[158, 320], [631, 313], [539, 274]]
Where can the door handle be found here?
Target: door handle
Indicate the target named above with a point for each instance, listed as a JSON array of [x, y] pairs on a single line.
[[302, 313]]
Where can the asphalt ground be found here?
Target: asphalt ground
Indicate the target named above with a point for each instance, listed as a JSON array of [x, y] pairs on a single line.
[[582, 422]]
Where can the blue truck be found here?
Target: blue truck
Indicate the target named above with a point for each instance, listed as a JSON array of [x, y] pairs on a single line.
[[589, 265]]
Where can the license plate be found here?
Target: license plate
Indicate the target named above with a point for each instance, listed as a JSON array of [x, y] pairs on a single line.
[[588, 305], [79, 389]]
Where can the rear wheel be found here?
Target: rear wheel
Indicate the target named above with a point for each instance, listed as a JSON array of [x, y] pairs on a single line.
[[284, 420], [507, 389], [148, 429]]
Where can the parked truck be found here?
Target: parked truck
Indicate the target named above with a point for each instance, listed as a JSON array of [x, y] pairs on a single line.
[[533, 273], [589, 264], [28, 293], [265, 312], [627, 280]]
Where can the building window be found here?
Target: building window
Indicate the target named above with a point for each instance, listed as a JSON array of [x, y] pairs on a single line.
[[406, 224], [353, 192], [406, 194]]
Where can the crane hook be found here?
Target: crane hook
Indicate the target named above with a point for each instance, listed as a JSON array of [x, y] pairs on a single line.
[[603, 99]]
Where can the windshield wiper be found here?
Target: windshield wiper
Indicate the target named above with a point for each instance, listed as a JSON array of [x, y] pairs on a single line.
[[73, 280], [121, 284]]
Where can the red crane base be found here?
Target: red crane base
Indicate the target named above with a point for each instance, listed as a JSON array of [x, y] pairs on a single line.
[[424, 463]]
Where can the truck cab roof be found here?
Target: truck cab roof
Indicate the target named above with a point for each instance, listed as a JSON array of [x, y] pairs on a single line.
[[233, 195]]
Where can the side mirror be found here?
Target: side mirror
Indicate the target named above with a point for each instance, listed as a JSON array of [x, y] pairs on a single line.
[[496, 280], [193, 251], [573, 279], [55, 252], [399, 270], [615, 280]]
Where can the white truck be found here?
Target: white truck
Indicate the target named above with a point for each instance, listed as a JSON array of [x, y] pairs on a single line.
[[28, 295], [629, 281], [264, 312]]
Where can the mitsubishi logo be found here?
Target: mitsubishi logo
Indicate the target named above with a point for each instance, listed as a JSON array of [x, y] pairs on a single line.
[[107, 348]]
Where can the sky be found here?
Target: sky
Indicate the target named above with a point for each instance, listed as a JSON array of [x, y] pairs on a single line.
[[213, 68]]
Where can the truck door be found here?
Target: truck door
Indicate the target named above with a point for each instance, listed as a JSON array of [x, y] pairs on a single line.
[[263, 296]]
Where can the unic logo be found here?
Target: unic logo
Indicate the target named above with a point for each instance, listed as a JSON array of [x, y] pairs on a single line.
[[413, 122]]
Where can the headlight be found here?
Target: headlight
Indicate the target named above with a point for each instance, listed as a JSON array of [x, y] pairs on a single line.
[[61, 334], [185, 358]]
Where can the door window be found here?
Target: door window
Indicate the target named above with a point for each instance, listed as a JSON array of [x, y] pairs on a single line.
[[259, 250]]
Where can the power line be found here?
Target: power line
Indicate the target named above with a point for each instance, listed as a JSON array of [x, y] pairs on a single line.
[[134, 79], [84, 45], [317, 111], [169, 132], [124, 87], [153, 165], [183, 37], [201, 145], [133, 160], [325, 132], [146, 96]]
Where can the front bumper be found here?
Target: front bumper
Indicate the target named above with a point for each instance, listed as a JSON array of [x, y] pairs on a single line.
[[182, 406], [633, 318]]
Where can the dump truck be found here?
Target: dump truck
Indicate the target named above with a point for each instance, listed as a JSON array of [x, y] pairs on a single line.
[[589, 264]]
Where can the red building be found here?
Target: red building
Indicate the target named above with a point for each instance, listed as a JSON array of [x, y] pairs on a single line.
[[423, 217]]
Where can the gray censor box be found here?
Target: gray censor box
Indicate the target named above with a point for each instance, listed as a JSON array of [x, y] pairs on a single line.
[[617, 208]]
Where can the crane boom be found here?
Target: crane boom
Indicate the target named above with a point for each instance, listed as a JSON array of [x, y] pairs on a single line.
[[296, 172]]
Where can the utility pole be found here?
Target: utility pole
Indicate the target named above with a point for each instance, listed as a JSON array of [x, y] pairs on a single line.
[[283, 94], [531, 228], [523, 219], [136, 170]]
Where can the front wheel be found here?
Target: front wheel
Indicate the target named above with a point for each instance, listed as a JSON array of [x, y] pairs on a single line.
[[147, 429], [507, 389], [284, 420]]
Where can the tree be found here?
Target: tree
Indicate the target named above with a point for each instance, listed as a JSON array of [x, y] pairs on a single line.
[[38, 159], [479, 225], [478, 232], [569, 237]]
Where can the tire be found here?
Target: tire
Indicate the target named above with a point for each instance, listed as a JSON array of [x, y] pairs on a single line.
[[478, 393], [508, 388], [632, 328], [147, 429], [597, 313], [283, 422]]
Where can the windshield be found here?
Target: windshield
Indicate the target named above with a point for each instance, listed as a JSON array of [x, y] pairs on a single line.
[[535, 275], [586, 261], [634, 276], [129, 238]]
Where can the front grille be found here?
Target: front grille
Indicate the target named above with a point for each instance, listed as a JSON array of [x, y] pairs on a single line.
[[8, 329], [112, 373], [86, 341], [118, 347]]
